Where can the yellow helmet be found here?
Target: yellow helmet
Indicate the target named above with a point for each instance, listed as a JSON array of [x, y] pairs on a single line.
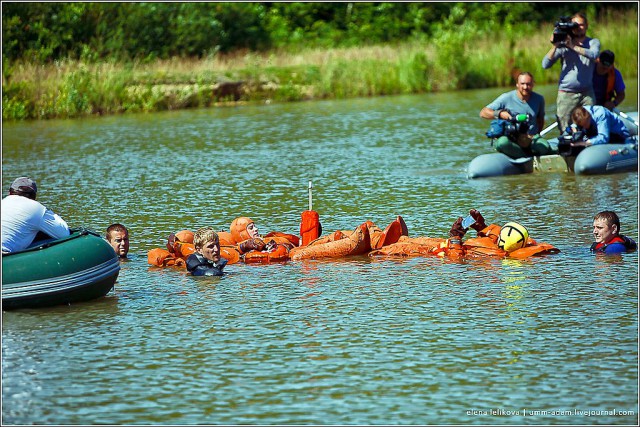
[[512, 236]]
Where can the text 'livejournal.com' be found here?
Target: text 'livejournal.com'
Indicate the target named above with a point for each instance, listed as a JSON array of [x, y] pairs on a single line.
[[524, 412]]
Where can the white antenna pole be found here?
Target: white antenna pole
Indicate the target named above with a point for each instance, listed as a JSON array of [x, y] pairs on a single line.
[[310, 196]]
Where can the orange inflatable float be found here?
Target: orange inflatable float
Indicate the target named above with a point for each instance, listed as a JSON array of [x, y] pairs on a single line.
[[359, 241], [179, 247], [336, 245], [241, 243], [163, 258], [409, 247]]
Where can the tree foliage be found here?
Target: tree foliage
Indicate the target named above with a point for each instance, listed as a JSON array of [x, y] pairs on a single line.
[[48, 31]]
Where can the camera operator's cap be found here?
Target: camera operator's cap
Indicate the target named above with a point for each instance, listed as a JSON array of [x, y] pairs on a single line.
[[24, 184], [607, 57]]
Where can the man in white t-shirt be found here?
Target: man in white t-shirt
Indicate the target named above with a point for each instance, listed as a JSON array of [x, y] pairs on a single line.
[[23, 218]]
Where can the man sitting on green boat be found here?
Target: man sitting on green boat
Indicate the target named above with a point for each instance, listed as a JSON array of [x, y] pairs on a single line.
[[528, 107], [24, 219]]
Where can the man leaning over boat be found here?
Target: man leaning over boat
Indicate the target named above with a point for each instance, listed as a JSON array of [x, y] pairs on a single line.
[[25, 220], [594, 124]]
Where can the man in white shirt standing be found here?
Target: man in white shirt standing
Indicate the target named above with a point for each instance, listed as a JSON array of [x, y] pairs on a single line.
[[23, 218]]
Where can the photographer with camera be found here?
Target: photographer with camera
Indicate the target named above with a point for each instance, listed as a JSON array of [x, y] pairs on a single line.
[[521, 138], [592, 125], [578, 54]]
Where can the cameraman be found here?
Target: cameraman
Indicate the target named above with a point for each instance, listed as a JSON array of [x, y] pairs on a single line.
[[578, 53], [522, 100], [600, 126]]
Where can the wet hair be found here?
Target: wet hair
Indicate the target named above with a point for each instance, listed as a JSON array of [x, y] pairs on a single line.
[[610, 217], [204, 235], [115, 228], [579, 114]]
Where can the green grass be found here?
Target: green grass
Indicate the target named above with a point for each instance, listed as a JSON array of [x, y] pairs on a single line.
[[452, 61]]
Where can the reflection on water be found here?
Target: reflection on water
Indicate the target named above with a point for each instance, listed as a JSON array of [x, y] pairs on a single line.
[[357, 341]]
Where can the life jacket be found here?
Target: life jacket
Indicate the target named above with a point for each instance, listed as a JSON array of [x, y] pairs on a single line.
[[178, 247], [282, 238], [159, 257], [627, 242], [450, 249], [310, 227], [279, 254], [611, 83]]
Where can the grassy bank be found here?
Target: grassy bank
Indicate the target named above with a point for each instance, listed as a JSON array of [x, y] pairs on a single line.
[[453, 61]]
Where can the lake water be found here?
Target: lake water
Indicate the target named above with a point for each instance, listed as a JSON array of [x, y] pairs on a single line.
[[549, 340]]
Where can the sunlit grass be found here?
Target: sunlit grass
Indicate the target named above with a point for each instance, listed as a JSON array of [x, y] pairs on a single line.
[[73, 88]]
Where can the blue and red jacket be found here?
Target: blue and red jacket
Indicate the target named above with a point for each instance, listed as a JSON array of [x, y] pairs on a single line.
[[616, 245]]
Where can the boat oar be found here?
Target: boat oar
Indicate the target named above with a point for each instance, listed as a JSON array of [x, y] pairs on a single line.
[[625, 116], [549, 128]]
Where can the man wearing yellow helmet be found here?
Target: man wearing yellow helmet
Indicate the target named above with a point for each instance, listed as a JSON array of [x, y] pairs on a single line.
[[511, 240]]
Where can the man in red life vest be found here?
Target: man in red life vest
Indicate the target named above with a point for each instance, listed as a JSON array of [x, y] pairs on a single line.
[[606, 231]]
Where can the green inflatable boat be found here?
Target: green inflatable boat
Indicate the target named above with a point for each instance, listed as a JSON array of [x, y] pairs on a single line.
[[80, 267]]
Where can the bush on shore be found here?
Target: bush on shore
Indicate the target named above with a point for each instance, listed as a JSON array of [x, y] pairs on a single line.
[[452, 60]]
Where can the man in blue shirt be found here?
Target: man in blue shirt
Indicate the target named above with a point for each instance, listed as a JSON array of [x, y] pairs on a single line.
[[600, 125], [522, 100]]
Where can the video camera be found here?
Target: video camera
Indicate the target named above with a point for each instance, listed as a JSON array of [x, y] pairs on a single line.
[[564, 142], [564, 28], [518, 125]]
